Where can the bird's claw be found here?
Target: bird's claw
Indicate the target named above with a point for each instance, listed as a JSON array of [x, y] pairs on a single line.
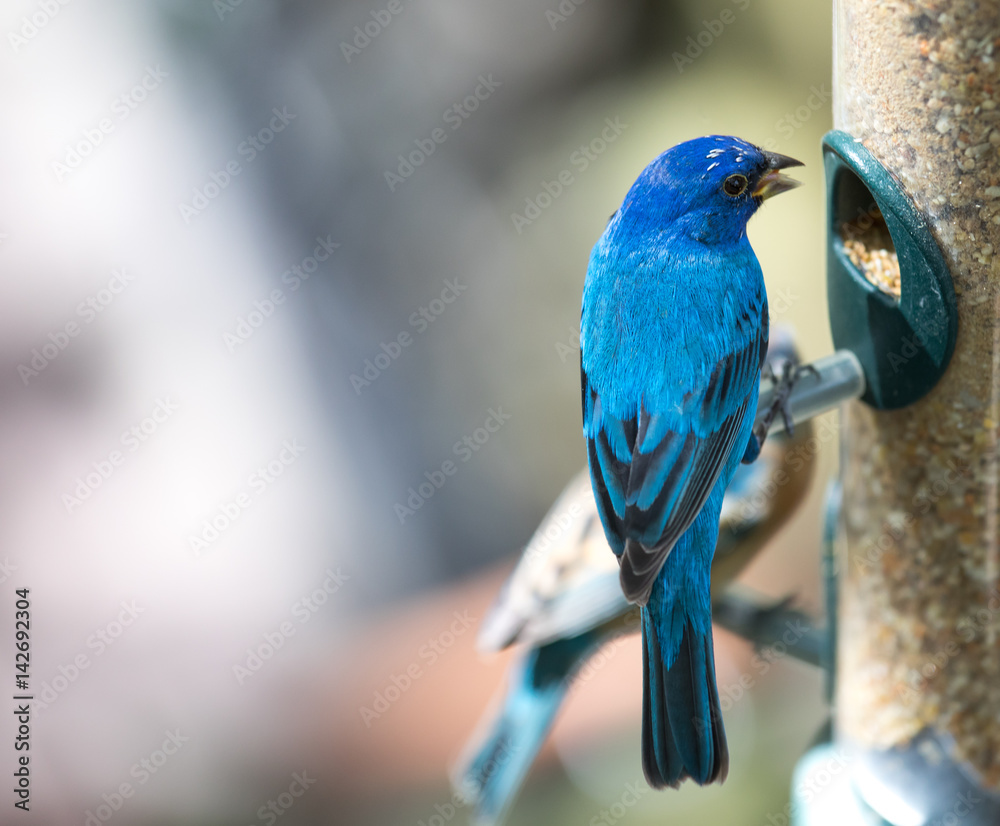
[[784, 373], [806, 368], [766, 624], [777, 608]]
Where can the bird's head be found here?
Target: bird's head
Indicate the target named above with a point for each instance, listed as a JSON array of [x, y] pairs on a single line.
[[707, 187]]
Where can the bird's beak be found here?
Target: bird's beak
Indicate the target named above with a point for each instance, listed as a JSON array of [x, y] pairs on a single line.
[[773, 182]]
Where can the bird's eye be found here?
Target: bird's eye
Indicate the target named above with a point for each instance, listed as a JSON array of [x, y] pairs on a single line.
[[734, 185]]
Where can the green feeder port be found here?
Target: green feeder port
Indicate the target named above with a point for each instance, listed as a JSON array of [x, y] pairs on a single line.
[[902, 333]]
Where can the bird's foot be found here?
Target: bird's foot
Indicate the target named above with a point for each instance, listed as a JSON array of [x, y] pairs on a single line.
[[784, 373], [769, 623]]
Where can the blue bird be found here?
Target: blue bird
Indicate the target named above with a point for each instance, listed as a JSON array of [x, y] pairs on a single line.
[[673, 334], [563, 602]]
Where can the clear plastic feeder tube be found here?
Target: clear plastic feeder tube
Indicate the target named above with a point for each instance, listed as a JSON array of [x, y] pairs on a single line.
[[919, 629]]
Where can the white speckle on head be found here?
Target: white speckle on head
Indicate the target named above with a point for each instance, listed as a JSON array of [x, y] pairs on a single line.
[[715, 153], [739, 159], [712, 166]]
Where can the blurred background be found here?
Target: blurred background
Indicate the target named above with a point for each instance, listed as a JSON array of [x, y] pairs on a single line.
[[264, 267]]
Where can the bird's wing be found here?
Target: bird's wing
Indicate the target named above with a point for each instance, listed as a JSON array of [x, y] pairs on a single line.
[[589, 603], [556, 588], [651, 475]]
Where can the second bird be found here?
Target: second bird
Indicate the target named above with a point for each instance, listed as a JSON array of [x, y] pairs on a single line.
[[674, 331]]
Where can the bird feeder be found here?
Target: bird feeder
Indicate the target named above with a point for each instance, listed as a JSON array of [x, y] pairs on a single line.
[[913, 189]]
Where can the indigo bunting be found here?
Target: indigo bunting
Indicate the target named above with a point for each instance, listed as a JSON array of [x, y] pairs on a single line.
[[673, 334], [563, 602]]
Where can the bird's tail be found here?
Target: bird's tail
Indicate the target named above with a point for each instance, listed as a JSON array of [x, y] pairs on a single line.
[[682, 732], [496, 761]]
